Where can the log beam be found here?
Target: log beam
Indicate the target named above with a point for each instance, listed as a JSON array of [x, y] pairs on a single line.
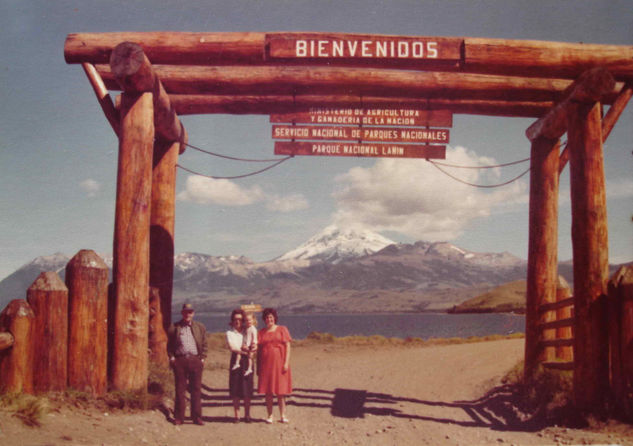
[[609, 120], [162, 223], [480, 55], [16, 363], [6, 340], [590, 254], [129, 362], [134, 74], [48, 297], [271, 104], [275, 80], [542, 249], [588, 88], [87, 282], [105, 101]]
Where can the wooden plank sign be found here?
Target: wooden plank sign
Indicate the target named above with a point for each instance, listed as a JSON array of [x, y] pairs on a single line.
[[374, 134], [362, 46], [369, 116], [252, 308], [362, 150]]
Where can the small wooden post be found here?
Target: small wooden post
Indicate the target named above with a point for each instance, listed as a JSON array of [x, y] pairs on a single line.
[[131, 243], [590, 251], [87, 282], [48, 297], [620, 289], [16, 362], [161, 273], [563, 292], [543, 248]]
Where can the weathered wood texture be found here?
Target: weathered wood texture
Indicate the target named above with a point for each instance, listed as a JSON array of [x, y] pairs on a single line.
[[563, 292], [620, 292], [609, 120], [274, 80], [162, 222], [590, 251], [134, 74], [16, 363], [271, 104], [87, 282], [48, 297], [542, 249], [588, 88], [131, 243], [480, 55]]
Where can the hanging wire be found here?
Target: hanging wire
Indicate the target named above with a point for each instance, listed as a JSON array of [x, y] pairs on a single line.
[[279, 161], [482, 167], [487, 186], [232, 157]]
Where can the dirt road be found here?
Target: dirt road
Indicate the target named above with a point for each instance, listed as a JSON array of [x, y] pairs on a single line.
[[364, 396]]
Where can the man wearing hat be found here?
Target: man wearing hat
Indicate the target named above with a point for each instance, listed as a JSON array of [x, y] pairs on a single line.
[[187, 349]]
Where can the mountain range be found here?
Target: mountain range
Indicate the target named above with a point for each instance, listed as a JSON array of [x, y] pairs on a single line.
[[337, 270]]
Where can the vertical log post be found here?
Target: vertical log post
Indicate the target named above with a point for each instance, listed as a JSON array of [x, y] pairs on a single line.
[[87, 282], [48, 297], [16, 362], [620, 289], [563, 292], [145, 113], [162, 222], [590, 251], [131, 243], [543, 246]]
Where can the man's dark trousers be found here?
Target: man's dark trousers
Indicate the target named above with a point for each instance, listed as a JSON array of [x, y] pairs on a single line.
[[188, 370]]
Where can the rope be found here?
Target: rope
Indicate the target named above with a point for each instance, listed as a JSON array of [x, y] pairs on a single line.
[[477, 185], [279, 161]]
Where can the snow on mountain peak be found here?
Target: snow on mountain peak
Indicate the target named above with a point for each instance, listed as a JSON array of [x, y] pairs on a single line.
[[334, 244]]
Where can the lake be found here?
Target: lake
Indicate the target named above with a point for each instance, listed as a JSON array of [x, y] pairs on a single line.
[[420, 325]]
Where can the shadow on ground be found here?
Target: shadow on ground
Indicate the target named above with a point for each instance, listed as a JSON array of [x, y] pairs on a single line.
[[498, 409]]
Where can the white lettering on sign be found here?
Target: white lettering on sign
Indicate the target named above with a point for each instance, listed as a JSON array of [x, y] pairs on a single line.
[[402, 49]]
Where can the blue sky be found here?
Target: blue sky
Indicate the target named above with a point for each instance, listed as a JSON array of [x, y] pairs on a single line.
[[58, 154]]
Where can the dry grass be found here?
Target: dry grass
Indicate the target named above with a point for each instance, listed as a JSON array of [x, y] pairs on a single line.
[[28, 408]]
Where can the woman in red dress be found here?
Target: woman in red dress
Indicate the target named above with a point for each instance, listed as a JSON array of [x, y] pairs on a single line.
[[274, 364]]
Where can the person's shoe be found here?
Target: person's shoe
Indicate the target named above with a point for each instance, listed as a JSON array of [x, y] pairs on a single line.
[[177, 422], [284, 420], [269, 420], [198, 421]]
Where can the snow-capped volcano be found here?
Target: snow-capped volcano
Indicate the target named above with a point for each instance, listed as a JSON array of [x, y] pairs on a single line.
[[334, 244]]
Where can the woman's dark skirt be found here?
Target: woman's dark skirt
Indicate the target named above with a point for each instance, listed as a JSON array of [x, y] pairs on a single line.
[[240, 385]]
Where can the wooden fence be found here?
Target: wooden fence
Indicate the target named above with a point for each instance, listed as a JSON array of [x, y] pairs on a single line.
[[57, 337], [557, 335]]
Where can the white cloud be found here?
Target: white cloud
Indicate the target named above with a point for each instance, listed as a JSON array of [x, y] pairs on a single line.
[[414, 198], [203, 190], [289, 203], [90, 186], [622, 188]]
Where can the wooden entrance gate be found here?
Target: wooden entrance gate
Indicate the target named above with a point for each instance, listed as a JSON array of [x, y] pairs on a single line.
[[163, 75]]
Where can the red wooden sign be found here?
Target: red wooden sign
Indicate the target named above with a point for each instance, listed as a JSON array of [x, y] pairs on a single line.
[[362, 46], [369, 116], [379, 134], [363, 150]]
